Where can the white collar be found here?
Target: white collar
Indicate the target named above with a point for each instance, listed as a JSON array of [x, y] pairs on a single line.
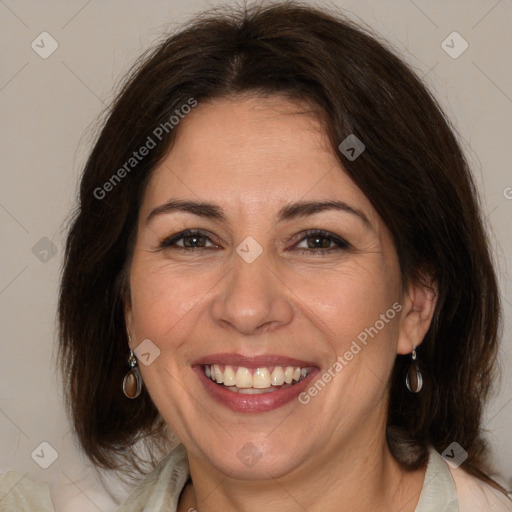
[[160, 490]]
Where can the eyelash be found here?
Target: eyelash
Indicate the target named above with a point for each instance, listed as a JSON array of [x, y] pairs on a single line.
[[170, 242]]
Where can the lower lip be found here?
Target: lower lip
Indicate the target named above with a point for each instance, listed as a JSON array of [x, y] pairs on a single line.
[[263, 402]]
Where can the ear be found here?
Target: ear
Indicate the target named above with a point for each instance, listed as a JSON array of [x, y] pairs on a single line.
[[419, 302], [128, 318]]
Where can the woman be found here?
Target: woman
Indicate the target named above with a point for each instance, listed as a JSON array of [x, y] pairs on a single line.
[[278, 256]]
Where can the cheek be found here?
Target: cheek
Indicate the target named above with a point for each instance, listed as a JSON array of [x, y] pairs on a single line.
[[357, 310], [349, 299], [163, 298], [164, 310]]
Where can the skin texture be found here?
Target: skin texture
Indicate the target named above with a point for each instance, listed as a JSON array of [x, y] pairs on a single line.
[[252, 156]]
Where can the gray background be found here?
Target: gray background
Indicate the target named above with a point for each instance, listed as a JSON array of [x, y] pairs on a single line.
[[49, 109]]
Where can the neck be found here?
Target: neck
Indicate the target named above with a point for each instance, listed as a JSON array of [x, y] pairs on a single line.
[[361, 476]]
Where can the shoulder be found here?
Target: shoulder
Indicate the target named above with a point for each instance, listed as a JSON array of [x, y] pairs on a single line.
[[17, 492], [160, 490], [450, 489], [474, 494]]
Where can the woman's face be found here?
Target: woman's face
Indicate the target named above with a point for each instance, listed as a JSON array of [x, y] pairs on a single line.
[[266, 280]]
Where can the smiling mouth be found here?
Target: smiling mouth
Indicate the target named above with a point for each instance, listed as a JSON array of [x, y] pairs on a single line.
[[252, 381]]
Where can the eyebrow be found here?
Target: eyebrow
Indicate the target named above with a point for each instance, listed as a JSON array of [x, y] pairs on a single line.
[[288, 212]]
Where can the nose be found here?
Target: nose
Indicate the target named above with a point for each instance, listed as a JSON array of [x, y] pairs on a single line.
[[253, 298]]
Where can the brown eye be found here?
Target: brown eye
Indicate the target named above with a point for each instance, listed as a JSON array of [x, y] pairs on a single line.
[[187, 240], [321, 242]]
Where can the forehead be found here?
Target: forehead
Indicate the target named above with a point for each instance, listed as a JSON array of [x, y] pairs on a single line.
[[258, 153]]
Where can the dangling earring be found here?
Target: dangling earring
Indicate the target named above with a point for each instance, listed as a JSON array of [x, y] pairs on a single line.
[[132, 382], [414, 380]]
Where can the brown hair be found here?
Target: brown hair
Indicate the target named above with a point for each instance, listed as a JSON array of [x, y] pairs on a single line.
[[413, 171]]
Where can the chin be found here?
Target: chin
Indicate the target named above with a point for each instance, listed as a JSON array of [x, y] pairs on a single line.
[[251, 459]]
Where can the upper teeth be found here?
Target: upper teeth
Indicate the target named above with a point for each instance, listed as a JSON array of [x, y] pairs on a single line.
[[259, 378]]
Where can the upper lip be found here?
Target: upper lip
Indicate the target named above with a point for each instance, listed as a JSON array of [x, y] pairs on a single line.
[[252, 361]]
